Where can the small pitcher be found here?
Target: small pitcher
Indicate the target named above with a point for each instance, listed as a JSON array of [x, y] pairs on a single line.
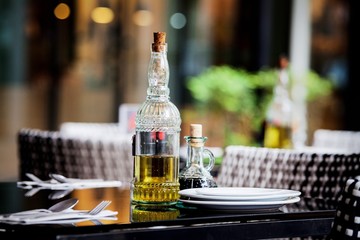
[[195, 174]]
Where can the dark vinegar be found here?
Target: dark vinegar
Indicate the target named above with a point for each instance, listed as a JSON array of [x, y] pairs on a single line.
[[186, 183]]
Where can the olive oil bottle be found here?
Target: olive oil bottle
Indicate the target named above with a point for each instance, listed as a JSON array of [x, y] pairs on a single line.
[[278, 124], [156, 143]]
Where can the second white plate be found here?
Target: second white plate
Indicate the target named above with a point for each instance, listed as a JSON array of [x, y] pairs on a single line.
[[279, 195], [240, 205], [239, 191]]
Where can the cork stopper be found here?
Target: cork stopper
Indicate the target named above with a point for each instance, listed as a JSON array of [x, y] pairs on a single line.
[[159, 44], [195, 130], [196, 135], [283, 62]]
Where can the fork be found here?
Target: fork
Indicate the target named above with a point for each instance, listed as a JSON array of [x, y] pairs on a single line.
[[98, 208]]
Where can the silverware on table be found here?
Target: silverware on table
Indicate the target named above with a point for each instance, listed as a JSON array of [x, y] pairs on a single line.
[[101, 206], [58, 207], [97, 212]]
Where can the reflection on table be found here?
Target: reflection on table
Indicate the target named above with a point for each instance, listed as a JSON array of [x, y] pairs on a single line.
[[314, 217]]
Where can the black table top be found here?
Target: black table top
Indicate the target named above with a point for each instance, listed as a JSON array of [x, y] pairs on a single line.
[[305, 218]]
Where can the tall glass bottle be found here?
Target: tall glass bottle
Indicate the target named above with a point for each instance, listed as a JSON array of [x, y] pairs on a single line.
[[278, 125], [157, 136]]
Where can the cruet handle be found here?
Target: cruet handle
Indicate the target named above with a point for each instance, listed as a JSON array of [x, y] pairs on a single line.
[[211, 159]]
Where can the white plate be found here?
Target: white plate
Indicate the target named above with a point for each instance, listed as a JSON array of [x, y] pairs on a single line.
[[239, 191], [240, 205], [194, 194]]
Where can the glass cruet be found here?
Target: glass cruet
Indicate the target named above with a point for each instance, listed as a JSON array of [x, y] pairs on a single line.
[[196, 174]]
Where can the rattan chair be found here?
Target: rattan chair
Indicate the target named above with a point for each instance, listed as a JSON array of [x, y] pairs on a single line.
[[346, 224], [100, 156], [318, 175]]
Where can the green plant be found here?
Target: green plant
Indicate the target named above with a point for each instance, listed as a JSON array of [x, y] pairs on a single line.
[[242, 97], [220, 88]]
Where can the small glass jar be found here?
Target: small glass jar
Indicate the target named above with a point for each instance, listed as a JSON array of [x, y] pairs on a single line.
[[195, 173]]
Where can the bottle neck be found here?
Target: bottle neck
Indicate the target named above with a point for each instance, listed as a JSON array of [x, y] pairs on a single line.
[[195, 150], [195, 155], [281, 89], [158, 74]]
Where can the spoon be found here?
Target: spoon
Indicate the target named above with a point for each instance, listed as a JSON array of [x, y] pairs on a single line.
[[63, 205], [58, 207]]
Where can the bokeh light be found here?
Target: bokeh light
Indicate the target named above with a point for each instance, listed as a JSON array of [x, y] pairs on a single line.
[[143, 18], [178, 20], [102, 15], [62, 11]]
